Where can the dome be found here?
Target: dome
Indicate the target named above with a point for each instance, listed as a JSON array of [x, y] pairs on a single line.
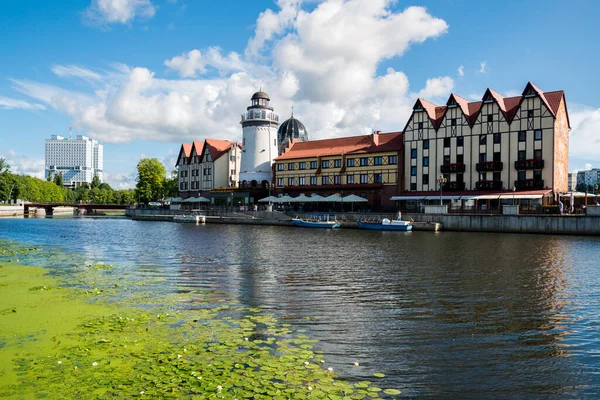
[[291, 129], [260, 95]]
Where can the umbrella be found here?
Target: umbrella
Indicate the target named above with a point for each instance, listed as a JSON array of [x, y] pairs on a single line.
[[301, 199], [333, 198], [284, 199], [270, 199], [196, 200], [175, 200], [316, 198], [352, 198]]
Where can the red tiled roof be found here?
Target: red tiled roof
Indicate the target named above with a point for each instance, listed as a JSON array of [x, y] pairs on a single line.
[[218, 147], [474, 108], [346, 145], [512, 105], [553, 99], [187, 149], [462, 103]]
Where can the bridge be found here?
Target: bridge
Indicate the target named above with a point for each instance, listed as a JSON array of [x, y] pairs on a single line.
[[82, 207]]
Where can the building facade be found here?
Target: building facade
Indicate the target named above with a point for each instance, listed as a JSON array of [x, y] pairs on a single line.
[[496, 144], [78, 160], [369, 166], [590, 178], [204, 166], [259, 141]]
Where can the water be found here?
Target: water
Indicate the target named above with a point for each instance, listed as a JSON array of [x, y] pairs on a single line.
[[441, 314]]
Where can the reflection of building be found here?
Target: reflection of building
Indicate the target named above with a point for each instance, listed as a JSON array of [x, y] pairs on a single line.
[[288, 130], [259, 143], [368, 166], [78, 160], [208, 165], [496, 144]]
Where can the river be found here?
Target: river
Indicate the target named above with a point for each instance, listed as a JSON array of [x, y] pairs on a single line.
[[441, 314]]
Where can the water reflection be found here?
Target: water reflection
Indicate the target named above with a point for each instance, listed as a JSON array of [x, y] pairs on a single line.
[[443, 315]]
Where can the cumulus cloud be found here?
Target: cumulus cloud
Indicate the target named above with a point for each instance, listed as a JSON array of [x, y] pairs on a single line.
[[321, 60], [105, 12], [24, 165], [461, 71], [584, 139], [8, 103], [482, 66], [119, 181]]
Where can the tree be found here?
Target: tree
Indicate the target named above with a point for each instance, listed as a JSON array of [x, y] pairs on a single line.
[[4, 166], [151, 177], [96, 181], [172, 185], [58, 179]]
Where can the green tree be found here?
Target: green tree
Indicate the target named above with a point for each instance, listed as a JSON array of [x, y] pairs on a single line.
[[172, 185], [96, 182], [4, 166], [58, 179], [151, 177]]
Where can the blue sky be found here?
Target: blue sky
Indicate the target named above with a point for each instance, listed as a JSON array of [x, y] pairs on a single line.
[[143, 76]]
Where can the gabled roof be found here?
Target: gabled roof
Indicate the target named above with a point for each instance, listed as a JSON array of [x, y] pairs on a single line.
[[186, 150], [392, 141], [219, 147]]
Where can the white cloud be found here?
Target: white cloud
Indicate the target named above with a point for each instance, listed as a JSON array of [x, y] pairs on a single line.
[[119, 181], [6, 103], [23, 165], [118, 11], [584, 142], [482, 66], [461, 71], [75, 71], [437, 87], [513, 93], [323, 61]]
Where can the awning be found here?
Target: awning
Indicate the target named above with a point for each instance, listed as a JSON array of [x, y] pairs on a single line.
[[443, 197], [487, 197], [407, 197], [520, 196]]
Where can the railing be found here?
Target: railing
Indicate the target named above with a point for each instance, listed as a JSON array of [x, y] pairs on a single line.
[[454, 185], [532, 163], [488, 166], [530, 184], [450, 168], [270, 116], [488, 185]]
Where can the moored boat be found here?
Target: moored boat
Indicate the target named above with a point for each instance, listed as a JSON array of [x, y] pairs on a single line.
[[317, 221], [384, 224]]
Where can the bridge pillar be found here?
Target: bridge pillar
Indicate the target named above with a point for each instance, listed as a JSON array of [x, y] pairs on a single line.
[[49, 210]]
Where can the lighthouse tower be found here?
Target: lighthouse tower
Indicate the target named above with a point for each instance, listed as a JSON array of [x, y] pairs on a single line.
[[259, 143]]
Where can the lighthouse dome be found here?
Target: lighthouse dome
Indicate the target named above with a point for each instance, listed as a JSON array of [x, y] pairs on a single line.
[[291, 129]]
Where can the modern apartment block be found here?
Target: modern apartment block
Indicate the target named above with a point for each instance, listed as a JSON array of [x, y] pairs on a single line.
[[78, 160], [369, 166], [208, 165], [496, 144]]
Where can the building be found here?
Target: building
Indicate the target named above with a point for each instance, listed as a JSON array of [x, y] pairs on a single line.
[[288, 130], [369, 166], [259, 142], [204, 166], [572, 181], [78, 160], [497, 144], [589, 177]]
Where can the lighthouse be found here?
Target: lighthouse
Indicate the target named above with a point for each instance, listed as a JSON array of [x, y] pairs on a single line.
[[259, 141]]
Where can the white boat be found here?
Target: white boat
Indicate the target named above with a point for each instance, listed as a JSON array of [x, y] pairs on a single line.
[[324, 221], [195, 219], [385, 224]]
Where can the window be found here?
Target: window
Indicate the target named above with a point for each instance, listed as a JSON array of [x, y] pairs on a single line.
[[413, 171], [529, 113], [364, 178], [522, 155], [482, 157], [537, 154], [426, 144], [378, 160], [350, 179], [460, 178], [447, 142], [413, 153], [290, 181], [453, 122], [425, 179], [350, 162], [537, 134], [460, 141], [490, 118], [302, 181], [482, 176], [413, 186], [302, 165], [482, 139], [420, 125], [460, 159], [325, 164], [522, 136], [337, 163], [364, 161], [280, 167], [446, 159], [337, 180], [537, 175], [496, 176], [393, 160], [279, 182], [232, 157], [313, 165], [313, 180], [290, 166], [521, 176], [378, 178], [497, 156], [425, 161], [274, 142], [497, 138], [324, 180], [244, 142]]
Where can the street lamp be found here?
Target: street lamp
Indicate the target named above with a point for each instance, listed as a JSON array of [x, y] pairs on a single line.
[[441, 180], [514, 189]]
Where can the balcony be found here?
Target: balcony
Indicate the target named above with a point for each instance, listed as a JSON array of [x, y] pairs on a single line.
[[454, 185], [452, 168], [489, 166], [532, 163], [529, 184], [488, 185]]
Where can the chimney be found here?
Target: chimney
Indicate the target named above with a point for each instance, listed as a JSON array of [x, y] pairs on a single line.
[[375, 138]]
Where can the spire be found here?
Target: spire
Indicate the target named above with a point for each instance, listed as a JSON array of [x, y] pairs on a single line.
[[292, 111]]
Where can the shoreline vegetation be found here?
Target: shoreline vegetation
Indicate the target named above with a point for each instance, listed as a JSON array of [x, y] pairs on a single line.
[[84, 332]]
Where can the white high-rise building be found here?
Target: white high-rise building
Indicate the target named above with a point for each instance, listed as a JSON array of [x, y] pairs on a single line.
[[78, 160], [259, 143]]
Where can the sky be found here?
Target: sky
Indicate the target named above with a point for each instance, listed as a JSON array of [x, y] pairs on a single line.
[[144, 76]]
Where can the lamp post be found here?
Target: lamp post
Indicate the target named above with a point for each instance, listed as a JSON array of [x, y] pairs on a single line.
[[441, 180], [514, 190]]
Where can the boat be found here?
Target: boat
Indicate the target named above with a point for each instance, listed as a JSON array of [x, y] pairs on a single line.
[[189, 218], [384, 224], [324, 221]]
